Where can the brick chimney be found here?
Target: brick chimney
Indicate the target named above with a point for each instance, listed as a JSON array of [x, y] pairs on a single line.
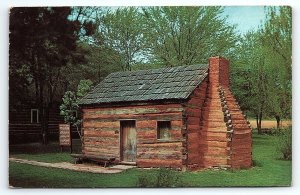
[[224, 120], [219, 71]]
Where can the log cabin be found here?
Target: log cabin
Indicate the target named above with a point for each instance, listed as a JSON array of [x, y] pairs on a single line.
[[183, 117], [25, 123]]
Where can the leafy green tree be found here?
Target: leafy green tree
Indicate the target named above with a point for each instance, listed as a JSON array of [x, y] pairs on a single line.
[[69, 109], [277, 41], [262, 68], [100, 61], [249, 74], [121, 30], [186, 35]]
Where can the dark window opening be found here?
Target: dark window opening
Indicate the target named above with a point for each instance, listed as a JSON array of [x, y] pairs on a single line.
[[163, 128], [34, 116]]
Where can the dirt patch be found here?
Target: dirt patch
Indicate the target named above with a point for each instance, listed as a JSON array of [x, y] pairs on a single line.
[[268, 124]]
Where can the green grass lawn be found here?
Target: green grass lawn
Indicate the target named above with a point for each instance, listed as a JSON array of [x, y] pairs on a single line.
[[269, 170]]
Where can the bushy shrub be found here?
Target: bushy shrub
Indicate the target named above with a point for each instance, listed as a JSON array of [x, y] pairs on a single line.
[[163, 177], [147, 180], [284, 145]]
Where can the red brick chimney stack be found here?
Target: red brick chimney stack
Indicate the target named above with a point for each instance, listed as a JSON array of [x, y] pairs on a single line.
[[219, 71]]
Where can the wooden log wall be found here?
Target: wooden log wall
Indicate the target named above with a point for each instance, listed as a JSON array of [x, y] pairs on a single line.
[[101, 127], [21, 130], [193, 112]]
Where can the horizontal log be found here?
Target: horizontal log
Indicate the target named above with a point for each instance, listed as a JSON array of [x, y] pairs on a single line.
[[101, 152], [242, 131], [175, 134], [193, 120], [214, 125], [174, 145], [115, 124], [176, 123], [246, 162], [196, 112], [242, 162], [146, 135], [214, 162], [162, 152], [102, 143], [193, 158], [219, 119], [219, 144], [159, 155], [213, 133], [172, 163], [216, 151], [100, 139], [146, 124], [243, 136], [217, 138], [196, 101], [213, 129], [142, 109], [91, 133], [89, 153], [244, 146], [162, 157], [193, 128], [111, 118], [101, 129], [241, 156]]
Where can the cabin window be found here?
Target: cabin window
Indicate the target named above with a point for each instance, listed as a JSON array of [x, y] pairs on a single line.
[[163, 130], [34, 116]]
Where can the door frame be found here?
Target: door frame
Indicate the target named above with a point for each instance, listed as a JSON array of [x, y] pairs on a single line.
[[121, 137]]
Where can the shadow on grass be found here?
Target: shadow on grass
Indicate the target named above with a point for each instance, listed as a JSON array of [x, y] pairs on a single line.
[[257, 163], [38, 148]]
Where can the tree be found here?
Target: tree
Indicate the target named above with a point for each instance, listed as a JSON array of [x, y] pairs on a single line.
[[99, 61], [122, 30], [42, 41], [70, 105], [277, 39], [249, 74], [262, 68], [186, 35]]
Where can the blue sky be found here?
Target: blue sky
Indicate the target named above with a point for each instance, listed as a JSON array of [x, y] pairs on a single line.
[[246, 17]]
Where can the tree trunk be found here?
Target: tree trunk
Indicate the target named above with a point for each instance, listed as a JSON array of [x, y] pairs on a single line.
[[42, 113], [258, 122], [256, 117], [46, 124], [80, 136], [277, 120]]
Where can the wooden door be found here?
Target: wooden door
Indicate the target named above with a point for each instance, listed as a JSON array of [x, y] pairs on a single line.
[[128, 141]]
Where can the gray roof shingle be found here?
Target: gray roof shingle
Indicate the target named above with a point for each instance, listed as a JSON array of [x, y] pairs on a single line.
[[144, 85]]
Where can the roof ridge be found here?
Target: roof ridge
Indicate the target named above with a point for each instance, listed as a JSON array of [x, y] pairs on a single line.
[[164, 68]]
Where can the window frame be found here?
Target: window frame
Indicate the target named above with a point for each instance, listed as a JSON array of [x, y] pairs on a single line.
[[37, 116], [159, 128]]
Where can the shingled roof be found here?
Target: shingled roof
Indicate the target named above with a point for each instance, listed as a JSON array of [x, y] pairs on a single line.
[[156, 84]]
